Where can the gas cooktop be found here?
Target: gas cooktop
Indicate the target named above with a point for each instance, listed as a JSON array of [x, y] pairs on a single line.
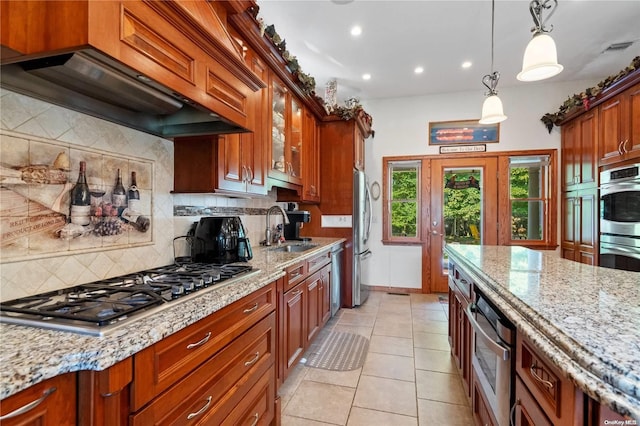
[[99, 307]]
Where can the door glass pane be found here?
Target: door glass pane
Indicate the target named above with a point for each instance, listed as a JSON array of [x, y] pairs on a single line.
[[277, 128], [296, 139]]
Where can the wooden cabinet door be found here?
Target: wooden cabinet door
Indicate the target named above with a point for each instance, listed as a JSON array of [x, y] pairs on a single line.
[[620, 127], [580, 151], [255, 145], [232, 172], [311, 164], [295, 333], [632, 116], [313, 285], [527, 412], [569, 205], [569, 154], [48, 403], [587, 228]]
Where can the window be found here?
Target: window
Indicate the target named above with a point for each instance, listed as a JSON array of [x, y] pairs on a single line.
[[529, 201], [402, 201]]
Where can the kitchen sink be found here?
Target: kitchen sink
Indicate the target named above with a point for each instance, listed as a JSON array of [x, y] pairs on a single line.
[[295, 248]]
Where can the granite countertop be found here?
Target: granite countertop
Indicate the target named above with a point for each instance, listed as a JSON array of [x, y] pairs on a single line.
[[585, 319], [29, 355]]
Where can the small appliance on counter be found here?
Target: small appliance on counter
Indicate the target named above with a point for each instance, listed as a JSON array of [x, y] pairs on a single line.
[[296, 220], [219, 240]]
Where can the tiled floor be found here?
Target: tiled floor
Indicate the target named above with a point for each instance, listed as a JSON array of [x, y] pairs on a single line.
[[408, 377]]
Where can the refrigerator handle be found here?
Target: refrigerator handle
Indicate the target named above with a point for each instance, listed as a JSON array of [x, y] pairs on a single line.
[[370, 210]]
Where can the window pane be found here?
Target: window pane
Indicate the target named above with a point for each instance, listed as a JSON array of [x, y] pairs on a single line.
[[526, 182], [527, 220], [404, 183], [404, 219]]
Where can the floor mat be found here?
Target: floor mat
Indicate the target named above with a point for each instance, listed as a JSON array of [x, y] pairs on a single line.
[[337, 351]]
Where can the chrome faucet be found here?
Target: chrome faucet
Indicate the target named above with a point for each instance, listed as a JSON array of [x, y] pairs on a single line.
[[267, 233]]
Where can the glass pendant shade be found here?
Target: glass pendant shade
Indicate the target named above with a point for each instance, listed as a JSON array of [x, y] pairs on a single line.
[[492, 111], [540, 59]]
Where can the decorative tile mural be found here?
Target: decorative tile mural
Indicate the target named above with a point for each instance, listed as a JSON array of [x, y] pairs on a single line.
[[45, 208]]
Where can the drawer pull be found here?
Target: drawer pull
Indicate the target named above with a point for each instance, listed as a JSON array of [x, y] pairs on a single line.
[[294, 274], [200, 343], [251, 309], [202, 410], [296, 293], [546, 383], [30, 406], [256, 416], [253, 360]]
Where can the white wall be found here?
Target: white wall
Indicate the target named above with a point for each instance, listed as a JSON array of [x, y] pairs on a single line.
[[401, 128]]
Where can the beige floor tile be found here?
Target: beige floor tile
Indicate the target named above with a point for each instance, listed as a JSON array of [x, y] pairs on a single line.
[[362, 331], [429, 359], [360, 319], [365, 417], [392, 296], [440, 387], [431, 341], [340, 378], [431, 306], [389, 366], [419, 297], [395, 329], [321, 402], [297, 421], [442, 413], [391, 345], [290, 385], [393, 396], [390, 317], [438, 327], [428, 315]]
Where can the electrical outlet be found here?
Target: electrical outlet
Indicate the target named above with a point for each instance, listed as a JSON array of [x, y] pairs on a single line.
[[336, 221]]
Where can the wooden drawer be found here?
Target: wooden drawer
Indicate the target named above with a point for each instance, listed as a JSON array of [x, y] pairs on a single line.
[[258, 406], [527, 411], [318, 262], [57, 404], [554, 393], [295, 274], [213, 390], [163, 364]]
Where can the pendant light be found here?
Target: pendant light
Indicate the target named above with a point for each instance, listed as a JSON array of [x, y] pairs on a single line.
[[492, 111], [540, 57]]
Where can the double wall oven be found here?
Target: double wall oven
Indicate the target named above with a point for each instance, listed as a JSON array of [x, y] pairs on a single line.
[[620, 218]]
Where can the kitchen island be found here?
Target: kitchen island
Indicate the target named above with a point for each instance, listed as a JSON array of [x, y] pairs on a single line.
[[584, 319], [30, 355]]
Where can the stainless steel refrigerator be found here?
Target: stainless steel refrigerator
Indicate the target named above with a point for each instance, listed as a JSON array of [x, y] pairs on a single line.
[[361, 221]]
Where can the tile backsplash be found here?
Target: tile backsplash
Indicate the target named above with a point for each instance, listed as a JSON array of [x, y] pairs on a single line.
[[32, 119]]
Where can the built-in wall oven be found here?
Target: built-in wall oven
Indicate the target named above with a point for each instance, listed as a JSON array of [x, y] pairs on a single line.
[[620, 218], [494, 339]]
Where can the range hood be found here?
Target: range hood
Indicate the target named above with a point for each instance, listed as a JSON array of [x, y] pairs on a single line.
[[92, 83]]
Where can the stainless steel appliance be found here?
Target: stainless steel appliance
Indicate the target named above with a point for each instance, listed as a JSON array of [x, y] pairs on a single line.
[[336, 277], [103, 306], [620, 218], [219, 240], [361, 221], [296, 219], [494, 338]]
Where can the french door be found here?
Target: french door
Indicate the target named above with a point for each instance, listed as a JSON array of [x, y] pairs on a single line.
[[462, 194]]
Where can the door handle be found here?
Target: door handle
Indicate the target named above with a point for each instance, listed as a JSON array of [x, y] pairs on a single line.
[[434, 232]]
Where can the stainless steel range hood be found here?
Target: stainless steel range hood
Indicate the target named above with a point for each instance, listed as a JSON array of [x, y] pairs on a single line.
[[92, 83]]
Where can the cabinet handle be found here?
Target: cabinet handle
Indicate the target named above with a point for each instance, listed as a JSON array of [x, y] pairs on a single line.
[[251, 309], [244, 173], [620, 148], [546, 383], [294, 274], [624, 146], [200, 343], [252, 360], [30, 406], [202, 410], [251, 175], [296, 293], [512, 420], [256, 416]]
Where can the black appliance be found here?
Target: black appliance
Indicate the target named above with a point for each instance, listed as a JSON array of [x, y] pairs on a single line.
[[219, 240], [296, 219], [620, 218], [102, 306]]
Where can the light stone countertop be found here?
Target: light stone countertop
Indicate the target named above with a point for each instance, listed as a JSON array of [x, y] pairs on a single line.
[[29, 355], [585, 319]]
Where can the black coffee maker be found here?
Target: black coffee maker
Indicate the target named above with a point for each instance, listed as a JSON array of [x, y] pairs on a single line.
[[219, 240], [296, 219]]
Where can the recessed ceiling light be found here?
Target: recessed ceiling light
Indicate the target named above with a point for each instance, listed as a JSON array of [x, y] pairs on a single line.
[[366, 76], [418, 70], [356, 30], [466, 64]]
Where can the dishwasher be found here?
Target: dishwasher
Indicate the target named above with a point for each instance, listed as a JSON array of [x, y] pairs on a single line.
[[336, 277]]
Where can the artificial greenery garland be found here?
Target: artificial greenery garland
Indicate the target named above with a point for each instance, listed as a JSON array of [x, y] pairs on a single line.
[[583, 99]]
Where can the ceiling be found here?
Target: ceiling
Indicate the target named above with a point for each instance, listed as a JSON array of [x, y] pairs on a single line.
[[397, 36]]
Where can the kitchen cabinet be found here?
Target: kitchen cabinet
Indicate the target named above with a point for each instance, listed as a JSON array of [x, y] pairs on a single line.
[[286, 134], [620, 127], [460, 332], [580, 219], [527, 412], [311, 157], [580, 152], [51, 402], [482, 414], [552, 396]]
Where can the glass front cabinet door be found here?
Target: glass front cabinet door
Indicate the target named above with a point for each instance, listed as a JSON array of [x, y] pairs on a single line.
[[286, 135]]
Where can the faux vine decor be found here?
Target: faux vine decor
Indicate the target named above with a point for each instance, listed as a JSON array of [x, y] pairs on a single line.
[[583, 99], [307, 83]]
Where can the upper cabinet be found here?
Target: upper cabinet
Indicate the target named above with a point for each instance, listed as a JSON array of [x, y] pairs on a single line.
[[311, 159], [286, 135], [579, 152], [620, 127]]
